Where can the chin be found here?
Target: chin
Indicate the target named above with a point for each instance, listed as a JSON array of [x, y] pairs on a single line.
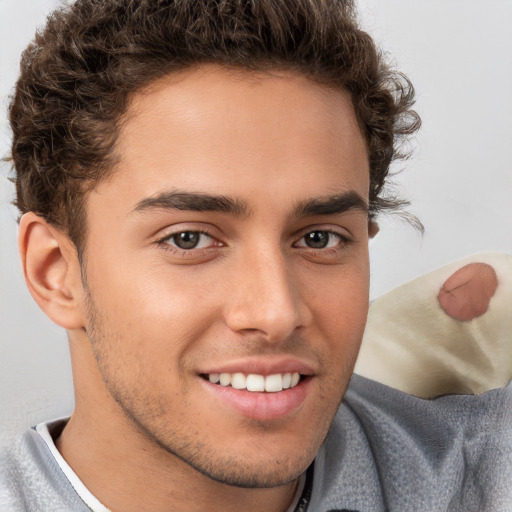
[[266, 474], [258, 466]]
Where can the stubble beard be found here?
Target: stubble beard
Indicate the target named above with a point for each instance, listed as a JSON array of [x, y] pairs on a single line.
[[140, 412]]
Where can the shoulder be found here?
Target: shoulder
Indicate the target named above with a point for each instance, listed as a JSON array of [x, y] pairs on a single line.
[[401, 452], [31, 480]]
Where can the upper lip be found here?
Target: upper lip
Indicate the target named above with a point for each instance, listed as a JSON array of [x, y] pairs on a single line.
[[262, 366]]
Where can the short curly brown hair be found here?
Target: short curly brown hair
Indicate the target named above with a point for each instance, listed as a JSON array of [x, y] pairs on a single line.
[[79, 72]]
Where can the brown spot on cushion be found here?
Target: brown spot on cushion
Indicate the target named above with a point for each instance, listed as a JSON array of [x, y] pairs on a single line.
[[466, 293]]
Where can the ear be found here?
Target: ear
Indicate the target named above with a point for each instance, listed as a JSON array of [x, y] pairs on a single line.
[[373, 228], [52, 270]]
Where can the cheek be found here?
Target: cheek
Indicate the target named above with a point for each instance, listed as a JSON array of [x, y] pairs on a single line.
[[141, 294], [157, 315], [340, 299], [340, 309]]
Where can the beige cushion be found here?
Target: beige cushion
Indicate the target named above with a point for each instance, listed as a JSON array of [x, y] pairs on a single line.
[[411, 344]]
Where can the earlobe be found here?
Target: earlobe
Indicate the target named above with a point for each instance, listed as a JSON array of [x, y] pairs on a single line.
[[373, 228], [52, 270]]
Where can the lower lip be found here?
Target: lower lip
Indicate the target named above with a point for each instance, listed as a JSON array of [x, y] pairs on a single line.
[[262, 406]]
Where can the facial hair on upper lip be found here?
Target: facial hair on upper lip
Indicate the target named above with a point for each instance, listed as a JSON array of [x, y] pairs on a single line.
[[257, 348]]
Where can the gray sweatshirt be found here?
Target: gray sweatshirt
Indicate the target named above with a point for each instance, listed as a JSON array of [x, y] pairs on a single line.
[[386, 451]]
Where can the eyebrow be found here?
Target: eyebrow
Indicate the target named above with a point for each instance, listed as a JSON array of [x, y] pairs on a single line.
[[199, 202], [331, 205], [191, 201]]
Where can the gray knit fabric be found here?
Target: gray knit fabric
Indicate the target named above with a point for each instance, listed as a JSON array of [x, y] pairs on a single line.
[[386, 451], [32, 481], [389, 451]]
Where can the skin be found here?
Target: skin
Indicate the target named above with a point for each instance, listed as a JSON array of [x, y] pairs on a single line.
[[145, 318]]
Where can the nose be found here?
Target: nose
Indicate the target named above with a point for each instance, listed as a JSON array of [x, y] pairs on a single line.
[[265, 298]]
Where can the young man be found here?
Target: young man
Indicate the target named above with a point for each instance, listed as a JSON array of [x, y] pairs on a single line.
[[198, 182]]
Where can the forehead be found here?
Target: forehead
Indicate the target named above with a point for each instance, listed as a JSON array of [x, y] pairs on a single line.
[[234, 132]]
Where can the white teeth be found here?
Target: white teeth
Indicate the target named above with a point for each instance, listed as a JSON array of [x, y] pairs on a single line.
[[214, 378], [225, 379], [256, 383], [274, 383], [238, 381]]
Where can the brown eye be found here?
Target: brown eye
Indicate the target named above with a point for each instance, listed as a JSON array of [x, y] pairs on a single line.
[[317, 239], [322, 239], [187, 239]]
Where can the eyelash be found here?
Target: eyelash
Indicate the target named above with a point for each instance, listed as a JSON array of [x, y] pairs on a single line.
[[165, 242], [343, 240]]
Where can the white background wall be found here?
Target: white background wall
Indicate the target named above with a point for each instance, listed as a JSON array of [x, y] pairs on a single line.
[[459, 56]]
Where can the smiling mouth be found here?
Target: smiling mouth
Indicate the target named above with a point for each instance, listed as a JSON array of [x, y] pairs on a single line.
[[254, 382]]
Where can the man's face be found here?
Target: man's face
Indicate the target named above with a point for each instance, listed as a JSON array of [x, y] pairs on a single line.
[[231, 241]]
